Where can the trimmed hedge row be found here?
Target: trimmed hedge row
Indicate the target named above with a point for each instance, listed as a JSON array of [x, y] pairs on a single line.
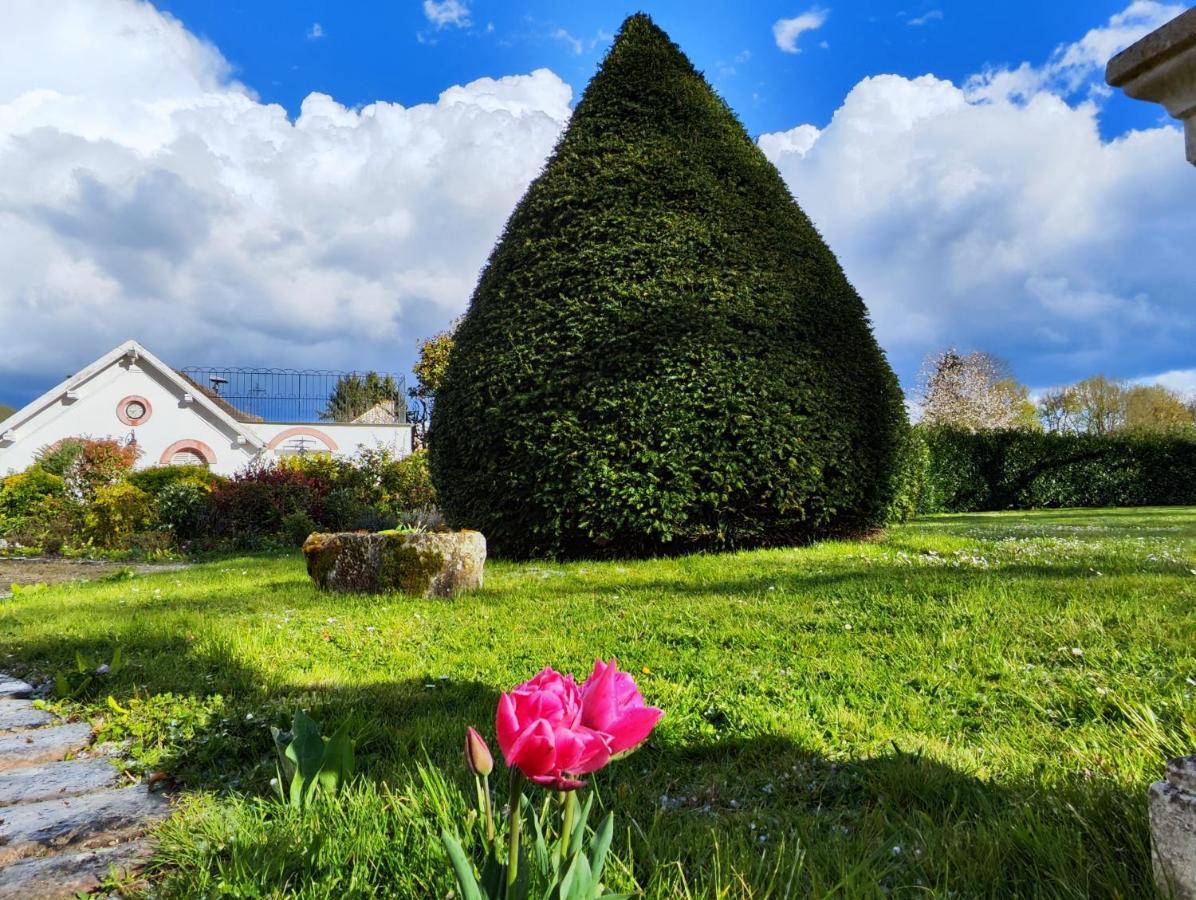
[[1025, 470]]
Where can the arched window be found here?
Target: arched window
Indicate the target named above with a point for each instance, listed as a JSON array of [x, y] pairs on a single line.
[[188, 458], [188, 452], [302, 440]]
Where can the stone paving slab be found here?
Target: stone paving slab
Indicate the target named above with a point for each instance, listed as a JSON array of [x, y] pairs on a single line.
[[26, 748], [55, 877], [30, 784], [90, 820], [16, 714], [14, 687]]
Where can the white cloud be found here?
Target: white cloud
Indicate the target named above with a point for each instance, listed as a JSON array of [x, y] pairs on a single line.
[[1182, 381], [447, 12], [993, 215], [315, 32], [574, 44], [144, 194], [786, 31], [926, 18], [1072, 66]]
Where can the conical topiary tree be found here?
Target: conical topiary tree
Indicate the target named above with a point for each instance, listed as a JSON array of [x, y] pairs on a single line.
[[662, 353]]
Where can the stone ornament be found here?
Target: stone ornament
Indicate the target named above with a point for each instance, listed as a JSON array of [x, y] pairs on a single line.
[[1161, 68]]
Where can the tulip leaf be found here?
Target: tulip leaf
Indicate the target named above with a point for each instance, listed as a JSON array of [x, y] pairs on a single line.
[[494, 875], [466, 880], [337, 763], [601, 844], [579, 826], [578, 882]]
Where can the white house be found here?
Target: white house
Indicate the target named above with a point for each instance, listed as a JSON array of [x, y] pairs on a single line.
[[130, 394]]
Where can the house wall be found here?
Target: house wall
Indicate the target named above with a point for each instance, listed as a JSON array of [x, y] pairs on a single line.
[[95, 414], [341, 439]]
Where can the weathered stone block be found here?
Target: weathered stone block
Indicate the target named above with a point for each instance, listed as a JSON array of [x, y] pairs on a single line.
[[429, 564], [1173, 829], [69, 874], [25, 748], [89, 820], [17, 714], [55, 780]]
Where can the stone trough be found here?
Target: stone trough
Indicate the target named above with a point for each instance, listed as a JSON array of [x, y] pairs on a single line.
[[427, 564]]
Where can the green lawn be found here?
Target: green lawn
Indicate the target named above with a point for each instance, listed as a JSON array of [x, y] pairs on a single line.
[[973, 705]]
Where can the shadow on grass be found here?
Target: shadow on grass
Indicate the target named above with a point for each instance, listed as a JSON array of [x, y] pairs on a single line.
[[696, 813]]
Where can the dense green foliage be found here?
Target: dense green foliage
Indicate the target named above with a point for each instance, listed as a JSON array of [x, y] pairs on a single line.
[[971, 706], [1025, 470], [662, 353], [909, 475], [156, 479]]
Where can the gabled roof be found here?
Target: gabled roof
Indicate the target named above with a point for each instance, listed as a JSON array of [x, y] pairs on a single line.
[[144, 359]]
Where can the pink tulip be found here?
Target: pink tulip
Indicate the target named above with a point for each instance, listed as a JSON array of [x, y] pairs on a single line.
[[540, 732], [612, 705]]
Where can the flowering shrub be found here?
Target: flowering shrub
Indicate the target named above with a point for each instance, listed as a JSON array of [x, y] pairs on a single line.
[[87, 464], [551, 731]]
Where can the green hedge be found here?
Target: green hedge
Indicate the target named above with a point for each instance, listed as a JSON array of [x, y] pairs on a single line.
[[662, 353], [1026, 470]]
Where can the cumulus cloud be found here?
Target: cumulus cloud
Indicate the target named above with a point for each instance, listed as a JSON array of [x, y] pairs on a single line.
[[315, 32], [1182, 381], [447, 12], [786, 31], [993, 215], [143, 193]]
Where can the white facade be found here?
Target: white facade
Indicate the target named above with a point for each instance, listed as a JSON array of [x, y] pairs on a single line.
[[129, 394]]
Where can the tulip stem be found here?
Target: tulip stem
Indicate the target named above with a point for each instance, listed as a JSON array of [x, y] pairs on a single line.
[[567, 829], [489, 810], [515, 823]]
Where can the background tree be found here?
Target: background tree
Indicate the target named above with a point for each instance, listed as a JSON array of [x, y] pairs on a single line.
[[1099, 404], [355, 394], [662, 353], [974, 392], [1058, 410], [429, 370], [1155, 408], [6, 411]]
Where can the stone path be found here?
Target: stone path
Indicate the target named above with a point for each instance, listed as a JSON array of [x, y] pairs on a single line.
[[64, 823]]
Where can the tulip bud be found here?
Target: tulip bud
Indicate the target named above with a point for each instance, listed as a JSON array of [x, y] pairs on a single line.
[[477, 754]]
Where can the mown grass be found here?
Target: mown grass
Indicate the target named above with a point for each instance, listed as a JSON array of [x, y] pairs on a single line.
[[972, 706]]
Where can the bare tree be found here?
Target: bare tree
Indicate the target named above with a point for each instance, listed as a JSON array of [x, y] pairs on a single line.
[[973, 391], [1100, 405]]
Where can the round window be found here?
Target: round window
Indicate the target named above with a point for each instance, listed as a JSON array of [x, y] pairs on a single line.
[[135, 410]]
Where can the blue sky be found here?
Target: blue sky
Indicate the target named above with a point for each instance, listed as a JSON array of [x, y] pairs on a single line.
[[317, 185], [370, 51]]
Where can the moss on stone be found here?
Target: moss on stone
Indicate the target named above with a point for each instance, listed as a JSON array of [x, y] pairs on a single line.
[[408, 568]]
